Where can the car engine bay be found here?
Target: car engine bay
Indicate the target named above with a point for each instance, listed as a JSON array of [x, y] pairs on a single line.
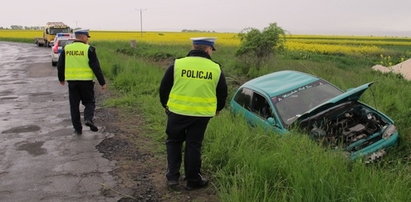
[[351, 126]]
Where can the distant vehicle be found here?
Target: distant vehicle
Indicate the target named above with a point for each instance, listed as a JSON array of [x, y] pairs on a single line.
[[49, 33], [286, 99], [58, 48], [63, 36]]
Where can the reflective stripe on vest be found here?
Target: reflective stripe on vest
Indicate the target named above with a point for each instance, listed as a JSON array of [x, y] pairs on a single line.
[[194, 89], [76, 66]]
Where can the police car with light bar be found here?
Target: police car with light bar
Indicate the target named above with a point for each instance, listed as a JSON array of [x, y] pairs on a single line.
[[61, 40]]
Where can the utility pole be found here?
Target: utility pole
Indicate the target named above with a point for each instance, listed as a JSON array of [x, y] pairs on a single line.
[[141, 21]]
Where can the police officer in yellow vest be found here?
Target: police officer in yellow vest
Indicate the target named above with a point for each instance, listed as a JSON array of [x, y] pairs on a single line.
[[192, 91], [78, 65]]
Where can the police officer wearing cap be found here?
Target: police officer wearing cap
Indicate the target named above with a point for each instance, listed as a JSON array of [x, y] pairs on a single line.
[[78, 65], [192, 91]]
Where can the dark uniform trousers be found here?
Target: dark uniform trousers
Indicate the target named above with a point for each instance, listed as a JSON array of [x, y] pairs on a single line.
[[81, 91], [191, 130]]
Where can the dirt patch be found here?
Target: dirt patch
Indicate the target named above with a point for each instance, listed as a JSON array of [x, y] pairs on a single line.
[[141, 166], [403, 68], [123, 147]]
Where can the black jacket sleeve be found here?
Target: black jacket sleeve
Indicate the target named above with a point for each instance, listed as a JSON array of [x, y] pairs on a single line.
[[61, 66], [166, 85], [221, 92], [95, 65]]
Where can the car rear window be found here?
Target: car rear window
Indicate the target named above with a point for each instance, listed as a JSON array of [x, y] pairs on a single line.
[[64, 42]]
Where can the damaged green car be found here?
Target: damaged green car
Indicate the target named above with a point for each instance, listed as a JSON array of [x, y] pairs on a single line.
[[285, 99]]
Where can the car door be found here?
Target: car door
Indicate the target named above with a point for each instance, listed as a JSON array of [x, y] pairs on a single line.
[[255, 108], [261, 113]]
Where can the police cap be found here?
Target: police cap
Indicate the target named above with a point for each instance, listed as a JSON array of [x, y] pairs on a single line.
[[209, 41], [82, 31]]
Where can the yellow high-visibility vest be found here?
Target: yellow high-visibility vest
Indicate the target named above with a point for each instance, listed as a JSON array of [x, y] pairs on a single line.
[[194, 89], [76, 64]]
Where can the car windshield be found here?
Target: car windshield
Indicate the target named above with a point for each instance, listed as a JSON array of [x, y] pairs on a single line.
[[296, 102], [59, 30]]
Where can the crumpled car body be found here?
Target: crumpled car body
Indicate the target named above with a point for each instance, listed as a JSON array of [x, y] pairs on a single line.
[[286, 99]]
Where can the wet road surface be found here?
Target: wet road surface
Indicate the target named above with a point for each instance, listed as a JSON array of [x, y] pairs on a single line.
[[40, 157]]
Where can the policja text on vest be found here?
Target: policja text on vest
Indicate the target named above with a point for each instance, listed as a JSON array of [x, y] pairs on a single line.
[[196, 74]]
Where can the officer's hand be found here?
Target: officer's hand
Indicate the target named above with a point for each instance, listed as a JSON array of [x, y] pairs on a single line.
[[62, 83], [103, 87], [166, 110]]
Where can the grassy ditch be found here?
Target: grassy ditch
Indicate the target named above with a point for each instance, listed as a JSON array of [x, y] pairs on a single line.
[[248, 164]]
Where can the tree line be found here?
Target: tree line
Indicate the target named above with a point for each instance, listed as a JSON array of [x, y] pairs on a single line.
[[195, 30], [20, 27]]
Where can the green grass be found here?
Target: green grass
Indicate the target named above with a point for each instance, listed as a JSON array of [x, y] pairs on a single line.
[[249, 164]]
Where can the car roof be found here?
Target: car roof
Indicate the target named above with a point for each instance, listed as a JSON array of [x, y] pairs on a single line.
[[280, 82], [66, 39]]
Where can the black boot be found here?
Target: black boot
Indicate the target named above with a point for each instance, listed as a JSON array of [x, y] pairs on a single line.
[[91, 125], [192, 185]]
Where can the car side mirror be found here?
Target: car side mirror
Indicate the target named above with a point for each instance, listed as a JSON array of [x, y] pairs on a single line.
[[271, 121]]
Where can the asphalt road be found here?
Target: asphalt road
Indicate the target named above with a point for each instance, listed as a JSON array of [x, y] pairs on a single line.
[[41, 159]]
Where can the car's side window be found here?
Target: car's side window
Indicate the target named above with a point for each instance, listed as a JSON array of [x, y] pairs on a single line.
[[243, 98], [260, 106]]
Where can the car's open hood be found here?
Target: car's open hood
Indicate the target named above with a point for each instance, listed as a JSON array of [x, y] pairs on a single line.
[[352, 94]]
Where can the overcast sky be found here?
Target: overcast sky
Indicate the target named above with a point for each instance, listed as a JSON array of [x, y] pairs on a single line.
[[337, 17]]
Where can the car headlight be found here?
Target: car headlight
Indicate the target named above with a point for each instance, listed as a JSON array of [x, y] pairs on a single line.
[[391, 129]]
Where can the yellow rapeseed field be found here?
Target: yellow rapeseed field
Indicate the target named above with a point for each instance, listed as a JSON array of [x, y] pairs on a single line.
[[150, 37], [27, 34], [313, 43], [165, 37], [333, 49]]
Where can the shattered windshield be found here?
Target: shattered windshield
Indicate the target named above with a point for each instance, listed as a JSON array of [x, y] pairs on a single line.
[[296, 102]]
